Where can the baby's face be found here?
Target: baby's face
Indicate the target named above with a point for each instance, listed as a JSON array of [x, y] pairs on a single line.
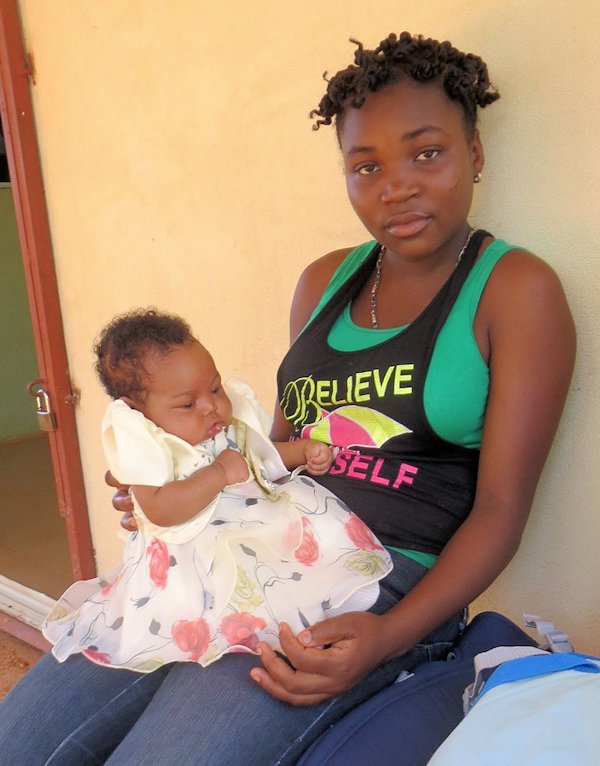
[[184, 394]]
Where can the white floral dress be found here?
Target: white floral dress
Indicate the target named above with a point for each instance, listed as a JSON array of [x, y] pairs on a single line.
[[259, 554]]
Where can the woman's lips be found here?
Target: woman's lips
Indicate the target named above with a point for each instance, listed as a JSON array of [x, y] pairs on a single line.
[[407, 224]]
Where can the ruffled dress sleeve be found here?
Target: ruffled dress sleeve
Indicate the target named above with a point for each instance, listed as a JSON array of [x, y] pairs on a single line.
[[139, 452], [258, 447]]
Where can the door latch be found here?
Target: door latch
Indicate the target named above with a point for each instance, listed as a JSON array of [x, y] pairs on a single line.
[[45, 416]]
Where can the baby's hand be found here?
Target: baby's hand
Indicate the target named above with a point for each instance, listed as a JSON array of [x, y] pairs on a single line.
[[318, 457], [234, 465]]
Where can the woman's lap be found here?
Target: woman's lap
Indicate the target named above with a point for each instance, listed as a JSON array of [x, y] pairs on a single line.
[[211, 718], [76, 713], [61, 713]]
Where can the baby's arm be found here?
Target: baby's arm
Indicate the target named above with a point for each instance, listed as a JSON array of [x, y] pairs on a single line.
[[178, 501], [316, 455]]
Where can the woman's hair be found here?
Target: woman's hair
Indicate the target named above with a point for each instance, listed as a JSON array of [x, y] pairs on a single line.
[[463, 76], [126, 341]]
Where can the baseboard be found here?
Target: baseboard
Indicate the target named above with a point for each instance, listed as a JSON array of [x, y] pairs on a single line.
[[23, 632], [22, 611]]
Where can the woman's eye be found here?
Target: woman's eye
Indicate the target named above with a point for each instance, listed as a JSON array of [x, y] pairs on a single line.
[[365, 170], [428, 154]]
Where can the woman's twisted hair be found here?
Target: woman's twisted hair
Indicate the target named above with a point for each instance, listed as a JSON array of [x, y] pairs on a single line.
[[463, 76], [126, 340]]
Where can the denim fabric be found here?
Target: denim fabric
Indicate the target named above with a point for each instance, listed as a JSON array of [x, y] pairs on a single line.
[[405, 723], [71, 713], [78, 713]]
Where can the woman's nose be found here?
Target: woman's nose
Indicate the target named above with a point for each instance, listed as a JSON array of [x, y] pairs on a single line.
[[398, 187]]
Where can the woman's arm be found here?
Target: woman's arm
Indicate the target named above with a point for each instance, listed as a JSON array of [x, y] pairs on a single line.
[[311, 286], [525, 320], [532, 352], [178, 501]]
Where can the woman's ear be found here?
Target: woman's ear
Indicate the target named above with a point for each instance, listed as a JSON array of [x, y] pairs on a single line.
[[477, 154]]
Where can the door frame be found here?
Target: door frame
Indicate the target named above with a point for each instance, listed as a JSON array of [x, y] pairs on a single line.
[[16, 72]]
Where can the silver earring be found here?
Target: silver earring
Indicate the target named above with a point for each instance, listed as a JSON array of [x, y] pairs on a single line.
[[477, 178]]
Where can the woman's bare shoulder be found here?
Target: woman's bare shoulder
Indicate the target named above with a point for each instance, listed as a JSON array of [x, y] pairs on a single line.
[[521, 277], [311, 286]]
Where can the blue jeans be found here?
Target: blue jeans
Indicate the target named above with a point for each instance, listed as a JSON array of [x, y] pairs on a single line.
[[78, 714]]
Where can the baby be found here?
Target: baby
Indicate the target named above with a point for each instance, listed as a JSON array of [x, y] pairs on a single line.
[[229, 544]]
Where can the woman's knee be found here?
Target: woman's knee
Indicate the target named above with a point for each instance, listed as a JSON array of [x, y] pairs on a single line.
[[55, 701]]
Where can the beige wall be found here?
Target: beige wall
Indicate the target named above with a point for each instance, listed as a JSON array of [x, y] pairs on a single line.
[[181, 170]]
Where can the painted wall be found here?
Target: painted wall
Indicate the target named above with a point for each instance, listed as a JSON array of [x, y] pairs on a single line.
[[181, 170], [17, 351]]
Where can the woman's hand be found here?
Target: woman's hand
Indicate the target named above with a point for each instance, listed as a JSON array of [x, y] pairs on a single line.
[[354, 647], [122, 502]]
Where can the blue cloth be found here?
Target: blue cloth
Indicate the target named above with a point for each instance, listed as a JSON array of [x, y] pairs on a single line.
[[406, 723], [542, 711], [78, 713], [538, 665]]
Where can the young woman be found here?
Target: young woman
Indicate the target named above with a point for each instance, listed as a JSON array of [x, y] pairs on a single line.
[[463, 340]]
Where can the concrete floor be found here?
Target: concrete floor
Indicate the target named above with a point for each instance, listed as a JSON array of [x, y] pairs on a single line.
[[33, 540], [16, 657]]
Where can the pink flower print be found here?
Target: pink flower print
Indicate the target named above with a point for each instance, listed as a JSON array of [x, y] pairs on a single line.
[[292, 537], [159, 562], [241, 629], [191, 636], [95, 656], [308, 552], [361, 535], [111, 585]]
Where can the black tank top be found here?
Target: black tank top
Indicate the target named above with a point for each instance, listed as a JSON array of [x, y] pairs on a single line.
[[411, 487]]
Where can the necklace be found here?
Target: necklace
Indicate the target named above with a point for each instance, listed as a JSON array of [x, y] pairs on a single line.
[[378, 269]]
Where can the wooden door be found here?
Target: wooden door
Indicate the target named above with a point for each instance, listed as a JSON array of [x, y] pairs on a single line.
[[18, 124]]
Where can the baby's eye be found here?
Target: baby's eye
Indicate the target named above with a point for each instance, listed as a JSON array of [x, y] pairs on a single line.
[[367, 169], [187, 405], [216, 389], [428, 154]]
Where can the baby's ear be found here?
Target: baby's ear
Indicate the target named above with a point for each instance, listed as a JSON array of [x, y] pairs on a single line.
[[130, 402]]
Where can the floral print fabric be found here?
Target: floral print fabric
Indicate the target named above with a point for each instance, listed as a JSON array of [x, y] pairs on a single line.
[[298, 557], [291, 553]]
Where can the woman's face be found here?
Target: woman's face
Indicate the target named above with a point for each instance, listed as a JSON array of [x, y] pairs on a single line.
[[409, 167]]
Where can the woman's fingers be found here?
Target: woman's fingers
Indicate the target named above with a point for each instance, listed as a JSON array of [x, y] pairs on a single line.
[[280, 680], [335, 658], [128, 522], [310, 655], [122, 502], [111, 481]]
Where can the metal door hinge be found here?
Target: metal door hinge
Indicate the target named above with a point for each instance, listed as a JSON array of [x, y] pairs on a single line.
[[30, 67]]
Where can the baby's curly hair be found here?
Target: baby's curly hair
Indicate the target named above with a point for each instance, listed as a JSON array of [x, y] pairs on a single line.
[[463, 76], [125, 342]]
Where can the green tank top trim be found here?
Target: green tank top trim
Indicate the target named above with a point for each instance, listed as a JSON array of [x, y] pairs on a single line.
[[425, 559], [457, 383]]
